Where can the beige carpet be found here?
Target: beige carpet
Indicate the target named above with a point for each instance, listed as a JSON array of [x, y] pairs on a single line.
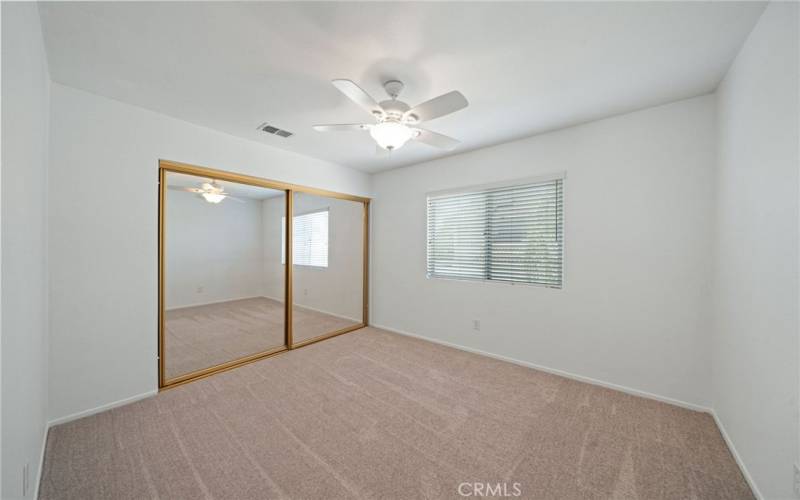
[[203, 336], [372, 414]]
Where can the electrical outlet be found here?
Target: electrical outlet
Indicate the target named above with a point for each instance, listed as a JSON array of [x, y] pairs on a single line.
[[305, 291], [200, 289], [476, 325], [25, 480], [797, 480]]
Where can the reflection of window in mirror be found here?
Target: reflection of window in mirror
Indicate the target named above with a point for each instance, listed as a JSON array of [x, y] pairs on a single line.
[[310, 239]]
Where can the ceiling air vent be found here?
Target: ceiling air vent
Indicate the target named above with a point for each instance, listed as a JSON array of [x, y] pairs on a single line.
[[266, 127]]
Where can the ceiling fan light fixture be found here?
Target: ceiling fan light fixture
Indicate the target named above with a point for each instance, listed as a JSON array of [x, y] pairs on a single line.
[[213, 197], [391, 135]]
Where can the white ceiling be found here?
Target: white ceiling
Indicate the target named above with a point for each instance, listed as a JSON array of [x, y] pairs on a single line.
[[242, 191], [525, 67]]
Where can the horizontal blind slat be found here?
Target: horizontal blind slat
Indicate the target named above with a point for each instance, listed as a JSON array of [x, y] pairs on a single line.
[[513, 234], [309, 239]]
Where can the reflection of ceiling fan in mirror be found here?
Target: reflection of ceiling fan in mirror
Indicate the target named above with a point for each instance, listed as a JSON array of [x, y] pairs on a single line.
[[397, 122], [212, 192]]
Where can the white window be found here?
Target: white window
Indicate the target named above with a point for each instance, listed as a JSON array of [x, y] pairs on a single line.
[[310, 234], [510, 233]]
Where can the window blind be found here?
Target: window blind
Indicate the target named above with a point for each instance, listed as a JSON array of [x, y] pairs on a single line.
[[511, 234], [310, 239]]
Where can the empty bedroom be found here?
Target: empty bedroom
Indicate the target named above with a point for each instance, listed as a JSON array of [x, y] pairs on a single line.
[[400, 250]]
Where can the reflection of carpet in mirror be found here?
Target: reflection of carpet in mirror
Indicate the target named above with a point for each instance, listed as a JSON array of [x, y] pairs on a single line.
[[202, 336]]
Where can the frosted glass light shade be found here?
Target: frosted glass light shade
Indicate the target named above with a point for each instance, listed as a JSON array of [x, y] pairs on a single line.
[[391, 135], [213, 197]]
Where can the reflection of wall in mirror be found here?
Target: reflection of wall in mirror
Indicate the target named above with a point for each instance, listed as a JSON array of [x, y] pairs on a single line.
[[213, 251], [335, 290], [229, 251]]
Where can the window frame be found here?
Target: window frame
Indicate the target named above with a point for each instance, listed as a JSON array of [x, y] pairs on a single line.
[[474, 188], [283, 238]]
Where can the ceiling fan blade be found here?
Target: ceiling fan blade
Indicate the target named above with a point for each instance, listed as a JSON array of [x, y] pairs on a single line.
[[436, 140], [349, 127], [358, 96], [438, 106], [188, 189]]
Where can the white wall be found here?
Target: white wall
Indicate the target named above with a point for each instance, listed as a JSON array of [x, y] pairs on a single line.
[[103, 208], [337, 289], [638, 205], [755, 341], [214, 252], [25, 96]]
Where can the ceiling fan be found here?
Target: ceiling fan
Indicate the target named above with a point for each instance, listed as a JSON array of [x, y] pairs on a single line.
[[212, 192], [397, 122]]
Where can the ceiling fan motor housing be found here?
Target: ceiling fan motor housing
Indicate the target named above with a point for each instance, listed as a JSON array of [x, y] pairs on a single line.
[[393, 88], [394, 110]]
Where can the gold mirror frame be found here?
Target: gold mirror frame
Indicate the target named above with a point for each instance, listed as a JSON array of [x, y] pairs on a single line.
[[165, 166]]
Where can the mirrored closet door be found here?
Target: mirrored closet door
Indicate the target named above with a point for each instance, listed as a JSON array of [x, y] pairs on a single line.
[[327, 266], [223, 280], [226, 271]]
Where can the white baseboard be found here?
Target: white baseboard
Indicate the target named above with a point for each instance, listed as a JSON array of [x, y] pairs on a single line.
[[348, 318], [329, 313], [554, 371], [108, 406], [737, 457], [213, 302], [41, 462]]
